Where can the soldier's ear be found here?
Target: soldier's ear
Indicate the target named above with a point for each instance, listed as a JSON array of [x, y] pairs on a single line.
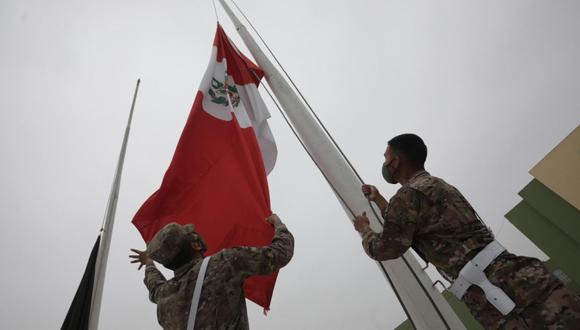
[[396, 161], [196, 246]]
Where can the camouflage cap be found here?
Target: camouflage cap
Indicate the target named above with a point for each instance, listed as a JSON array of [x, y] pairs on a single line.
[[170, 242]]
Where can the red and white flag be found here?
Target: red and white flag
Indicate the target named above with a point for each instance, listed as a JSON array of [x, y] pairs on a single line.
[[217, 178]]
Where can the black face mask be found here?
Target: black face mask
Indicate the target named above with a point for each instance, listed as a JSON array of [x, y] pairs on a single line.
[[387, 175]]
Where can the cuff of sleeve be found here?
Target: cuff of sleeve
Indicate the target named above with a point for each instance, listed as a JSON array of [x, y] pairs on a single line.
[[367, 232], [384, 212], [280, 227]]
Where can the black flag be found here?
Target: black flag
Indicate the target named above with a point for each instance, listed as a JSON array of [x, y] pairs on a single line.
[[77, 317]]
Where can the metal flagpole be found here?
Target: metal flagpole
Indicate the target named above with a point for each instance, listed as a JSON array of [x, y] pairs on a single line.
[[424, 305], [107, 228]]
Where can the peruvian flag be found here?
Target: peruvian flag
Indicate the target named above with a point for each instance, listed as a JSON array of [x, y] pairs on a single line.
[[217, 178]]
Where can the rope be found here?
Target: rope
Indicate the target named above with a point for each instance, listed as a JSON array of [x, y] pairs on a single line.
[[215, 11], [307, 104], [304, 146], [298, 90], [344, 157], [336, 193]]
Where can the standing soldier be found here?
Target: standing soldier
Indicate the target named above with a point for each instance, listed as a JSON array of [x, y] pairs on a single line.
[[428, 214], [222, 304]]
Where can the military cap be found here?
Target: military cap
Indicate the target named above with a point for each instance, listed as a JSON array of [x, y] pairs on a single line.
[[170, 242]]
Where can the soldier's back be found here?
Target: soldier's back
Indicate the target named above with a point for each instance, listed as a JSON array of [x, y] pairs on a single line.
[[222, 304], [449, 231]]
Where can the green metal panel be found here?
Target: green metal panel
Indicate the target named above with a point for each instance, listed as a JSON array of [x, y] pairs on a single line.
[[460, 309], [553, 208], [562, 250], [552, 266], [405, 326]]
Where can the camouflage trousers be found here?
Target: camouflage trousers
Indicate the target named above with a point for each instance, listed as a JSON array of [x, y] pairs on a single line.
[[561, 310], [542, 301]]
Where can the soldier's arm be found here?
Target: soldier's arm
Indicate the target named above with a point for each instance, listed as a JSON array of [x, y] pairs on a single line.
[[153, 281], [382, 203], [372, 194], [401, 218], [249, 261]]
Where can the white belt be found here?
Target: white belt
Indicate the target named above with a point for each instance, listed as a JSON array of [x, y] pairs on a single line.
[[472, 274], [197, 294]]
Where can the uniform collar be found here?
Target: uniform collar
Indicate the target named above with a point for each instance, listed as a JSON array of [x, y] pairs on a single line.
[[185, 268], [416, 176]]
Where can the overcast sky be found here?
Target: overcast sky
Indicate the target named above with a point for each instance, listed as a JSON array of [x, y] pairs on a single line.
[[491, 86]]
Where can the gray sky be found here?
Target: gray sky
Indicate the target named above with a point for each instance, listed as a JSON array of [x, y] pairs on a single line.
[[491, 86]]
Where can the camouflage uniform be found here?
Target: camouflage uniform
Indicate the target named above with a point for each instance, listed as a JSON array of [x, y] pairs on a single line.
[[222, 305], [434, 218]]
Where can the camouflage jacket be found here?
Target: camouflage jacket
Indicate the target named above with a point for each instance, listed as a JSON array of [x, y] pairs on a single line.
[[222, 304], [435, 219]]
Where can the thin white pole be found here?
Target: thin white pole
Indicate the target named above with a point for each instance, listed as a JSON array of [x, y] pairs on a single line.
[[107, 229]]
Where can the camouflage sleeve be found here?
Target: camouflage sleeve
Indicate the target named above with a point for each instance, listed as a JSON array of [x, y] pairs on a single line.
[[248, 261], [401, 218], [153, 281]]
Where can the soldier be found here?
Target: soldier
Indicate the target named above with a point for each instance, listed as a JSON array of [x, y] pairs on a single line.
[[222, 303], [433, 217]]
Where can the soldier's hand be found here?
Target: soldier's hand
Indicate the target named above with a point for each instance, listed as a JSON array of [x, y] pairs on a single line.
[[274, 219], [370, 192], [142, 257], [361, 223]]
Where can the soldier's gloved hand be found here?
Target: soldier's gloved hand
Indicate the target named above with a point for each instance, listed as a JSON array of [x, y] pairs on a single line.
[[142, 257], [361, 223], [370, 192], [274, 219]]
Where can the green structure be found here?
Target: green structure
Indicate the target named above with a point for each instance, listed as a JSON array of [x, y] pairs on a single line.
[[549, 215], [554, 226]]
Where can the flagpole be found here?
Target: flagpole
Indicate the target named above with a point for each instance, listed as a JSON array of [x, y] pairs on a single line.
[[423, 304], [107, 228]]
